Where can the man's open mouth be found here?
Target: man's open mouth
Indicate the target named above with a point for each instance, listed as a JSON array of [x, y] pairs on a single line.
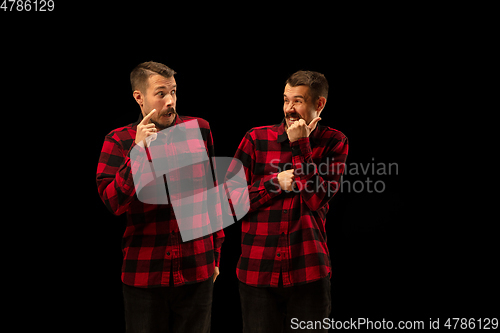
[[168, 114]]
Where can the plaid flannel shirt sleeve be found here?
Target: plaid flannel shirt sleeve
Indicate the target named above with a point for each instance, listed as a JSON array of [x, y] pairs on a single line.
[[114, 178], [317, 188]]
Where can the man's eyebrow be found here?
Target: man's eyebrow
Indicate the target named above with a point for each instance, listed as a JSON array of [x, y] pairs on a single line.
[[296, 96], [165, 87]]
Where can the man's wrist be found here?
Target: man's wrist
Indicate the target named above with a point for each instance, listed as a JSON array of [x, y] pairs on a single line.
[[301, 147]]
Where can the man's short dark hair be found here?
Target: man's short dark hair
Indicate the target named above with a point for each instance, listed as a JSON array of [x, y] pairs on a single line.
[[317, 83], [140, 75]]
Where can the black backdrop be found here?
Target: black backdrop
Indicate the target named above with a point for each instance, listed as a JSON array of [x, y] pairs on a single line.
[[394, 255]]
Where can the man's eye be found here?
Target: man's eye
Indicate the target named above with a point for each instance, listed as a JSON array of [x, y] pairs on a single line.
[[286, 101], [173, 92], [160, 93]]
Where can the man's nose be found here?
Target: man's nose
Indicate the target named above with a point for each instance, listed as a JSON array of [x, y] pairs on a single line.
[[290, 107], [169, 101]]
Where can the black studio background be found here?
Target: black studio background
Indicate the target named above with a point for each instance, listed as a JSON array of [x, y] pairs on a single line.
[[393, 255]]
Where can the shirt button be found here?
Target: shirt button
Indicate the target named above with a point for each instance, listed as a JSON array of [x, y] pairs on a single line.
[[285, 211], [279, 255], [168, 253]]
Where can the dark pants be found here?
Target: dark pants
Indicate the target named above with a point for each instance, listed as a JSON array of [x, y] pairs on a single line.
[[169, 309], [268, 309]]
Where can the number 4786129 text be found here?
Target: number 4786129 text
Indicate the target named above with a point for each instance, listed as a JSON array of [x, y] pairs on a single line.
[[27, 5]]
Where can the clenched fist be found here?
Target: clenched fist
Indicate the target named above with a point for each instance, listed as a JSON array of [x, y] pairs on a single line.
[[285, 179], [300, 129], [145, 129]]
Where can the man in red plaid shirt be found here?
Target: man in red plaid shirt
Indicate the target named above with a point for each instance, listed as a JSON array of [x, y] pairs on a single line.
[[167, 283], [293, 169]]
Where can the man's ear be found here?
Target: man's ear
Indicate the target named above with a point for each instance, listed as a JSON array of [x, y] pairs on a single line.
[[138, 98], [320, 105]]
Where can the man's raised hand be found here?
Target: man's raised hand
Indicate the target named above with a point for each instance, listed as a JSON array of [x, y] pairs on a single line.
[[145, 129], [300, 129]]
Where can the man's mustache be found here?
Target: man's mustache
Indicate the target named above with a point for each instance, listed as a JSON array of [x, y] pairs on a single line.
[[169, 110]]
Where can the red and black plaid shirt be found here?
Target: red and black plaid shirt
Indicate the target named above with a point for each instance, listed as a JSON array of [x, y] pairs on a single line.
[[285, 231], [152, 245]]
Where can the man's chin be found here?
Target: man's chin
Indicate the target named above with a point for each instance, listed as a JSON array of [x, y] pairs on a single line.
[[165, 122]]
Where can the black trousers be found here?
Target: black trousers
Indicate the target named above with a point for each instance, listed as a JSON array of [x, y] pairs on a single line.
[[183, 309], [280, 309]]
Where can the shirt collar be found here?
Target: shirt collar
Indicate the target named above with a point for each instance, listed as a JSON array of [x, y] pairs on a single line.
[[282, 136]]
